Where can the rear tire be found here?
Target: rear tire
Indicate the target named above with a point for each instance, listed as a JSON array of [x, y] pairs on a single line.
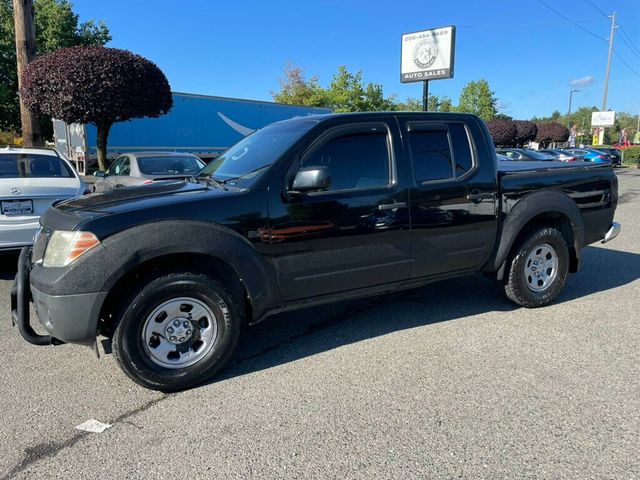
[[177, 332], [538, 268]]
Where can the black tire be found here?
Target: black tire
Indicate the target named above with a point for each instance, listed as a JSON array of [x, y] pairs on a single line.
[[518, 286], [128, 343]]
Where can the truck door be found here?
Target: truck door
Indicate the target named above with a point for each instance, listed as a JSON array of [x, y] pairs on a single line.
[[453, 202], [355, 233]]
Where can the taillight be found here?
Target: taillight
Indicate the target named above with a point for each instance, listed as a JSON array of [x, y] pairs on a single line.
[[147, 182]]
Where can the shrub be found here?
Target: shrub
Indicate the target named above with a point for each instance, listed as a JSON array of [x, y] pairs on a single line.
[[631, 156], [503, 132], [551, 132], [526, 131]]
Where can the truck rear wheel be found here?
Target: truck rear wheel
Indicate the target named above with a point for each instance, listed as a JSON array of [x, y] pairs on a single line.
[[538, 268], [177, 332]]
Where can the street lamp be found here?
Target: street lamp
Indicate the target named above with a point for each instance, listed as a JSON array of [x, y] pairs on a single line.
[[571, 92]]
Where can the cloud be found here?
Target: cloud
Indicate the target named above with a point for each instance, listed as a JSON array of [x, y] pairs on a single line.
[[582, 81], [503, 105]]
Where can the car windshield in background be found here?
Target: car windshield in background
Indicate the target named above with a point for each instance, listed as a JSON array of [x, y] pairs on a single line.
[[255, 153], [17, 165], [538, 156], [169, 165]]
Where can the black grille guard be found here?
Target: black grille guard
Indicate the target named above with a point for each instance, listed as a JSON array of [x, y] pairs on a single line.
[[20, 299]]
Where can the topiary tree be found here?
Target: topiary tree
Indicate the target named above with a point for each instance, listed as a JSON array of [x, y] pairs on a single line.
[[503, 132], [526, 131], [96, 85], [551, 132]]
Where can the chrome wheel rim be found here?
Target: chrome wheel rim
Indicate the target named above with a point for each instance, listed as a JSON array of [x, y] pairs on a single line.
[[179, 332], [541, 267]]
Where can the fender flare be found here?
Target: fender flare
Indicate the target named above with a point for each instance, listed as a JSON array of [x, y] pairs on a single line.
[[158, 239], [529, 207]]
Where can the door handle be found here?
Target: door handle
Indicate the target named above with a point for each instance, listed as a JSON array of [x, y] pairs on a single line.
[[392, 206], [476, 196]]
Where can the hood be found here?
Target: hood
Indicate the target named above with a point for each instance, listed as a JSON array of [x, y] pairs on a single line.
[[128, 197], [56, 187]]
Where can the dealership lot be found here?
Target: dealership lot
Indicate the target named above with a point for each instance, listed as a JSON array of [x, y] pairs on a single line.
[[448, 380]]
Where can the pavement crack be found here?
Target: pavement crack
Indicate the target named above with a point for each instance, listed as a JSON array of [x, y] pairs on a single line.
[[51, 449]]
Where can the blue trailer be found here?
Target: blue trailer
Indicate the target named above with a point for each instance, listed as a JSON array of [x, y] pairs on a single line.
[[198, 124]]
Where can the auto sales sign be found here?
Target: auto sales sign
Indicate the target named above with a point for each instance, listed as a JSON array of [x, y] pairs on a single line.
[[428, 55]]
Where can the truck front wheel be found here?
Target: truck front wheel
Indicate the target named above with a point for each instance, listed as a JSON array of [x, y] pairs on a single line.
[[538, 268], [176, 332]]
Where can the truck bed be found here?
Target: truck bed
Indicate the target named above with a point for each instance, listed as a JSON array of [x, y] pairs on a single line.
[[518, 167]]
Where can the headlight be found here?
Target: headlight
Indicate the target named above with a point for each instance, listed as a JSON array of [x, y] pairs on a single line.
[[64, 247]]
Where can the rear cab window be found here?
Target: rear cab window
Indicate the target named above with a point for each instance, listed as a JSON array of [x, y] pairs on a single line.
[[31, 165], [440, 151]]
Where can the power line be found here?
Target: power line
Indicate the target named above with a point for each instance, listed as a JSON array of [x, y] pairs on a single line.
[[622, 60], [631, 47], [572, 22], [594, 5], [630, 42]]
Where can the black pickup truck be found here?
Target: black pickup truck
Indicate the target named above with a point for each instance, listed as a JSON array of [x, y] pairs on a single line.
[[309, 210]]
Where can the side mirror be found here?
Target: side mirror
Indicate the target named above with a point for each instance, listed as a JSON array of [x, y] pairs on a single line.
[[100, 174], [311, 179]]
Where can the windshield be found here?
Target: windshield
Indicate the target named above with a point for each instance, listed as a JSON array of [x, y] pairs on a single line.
[[248, 158], [170, 165], [538, 155], [21, 165]]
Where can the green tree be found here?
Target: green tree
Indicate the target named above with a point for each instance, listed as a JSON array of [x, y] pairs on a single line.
[[57, 26], [476, 97], [347, 92], [296, 89]]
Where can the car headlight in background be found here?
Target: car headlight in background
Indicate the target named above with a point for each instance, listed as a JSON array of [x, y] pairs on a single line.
[[64, 247]]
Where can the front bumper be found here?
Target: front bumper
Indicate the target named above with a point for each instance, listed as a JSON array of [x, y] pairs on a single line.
[[67, 318]]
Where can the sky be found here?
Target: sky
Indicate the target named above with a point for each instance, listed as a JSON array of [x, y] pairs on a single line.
[[530, 55]]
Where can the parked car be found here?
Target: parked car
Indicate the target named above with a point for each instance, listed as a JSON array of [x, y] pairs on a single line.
[[561, 155], [303, 212], [524, 154], [502, 158], [31, 179], [614, 154], [143, 168], [590, 155]]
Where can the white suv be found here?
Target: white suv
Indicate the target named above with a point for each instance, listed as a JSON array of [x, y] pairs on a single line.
[[31, 179]]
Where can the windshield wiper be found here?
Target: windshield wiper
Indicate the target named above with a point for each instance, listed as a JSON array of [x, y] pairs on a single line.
[[246, 174]]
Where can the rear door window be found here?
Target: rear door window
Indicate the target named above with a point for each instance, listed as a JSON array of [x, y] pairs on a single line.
[[439, 151], [27, 165]]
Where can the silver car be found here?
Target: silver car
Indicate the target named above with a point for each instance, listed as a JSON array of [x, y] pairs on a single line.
[[31, 179], [143, 168]]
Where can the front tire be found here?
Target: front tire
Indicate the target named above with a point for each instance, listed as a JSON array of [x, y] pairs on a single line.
[[538, 268], [177, 332]]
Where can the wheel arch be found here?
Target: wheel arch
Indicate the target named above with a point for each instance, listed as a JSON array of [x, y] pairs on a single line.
[[180, 245], [548, 208]]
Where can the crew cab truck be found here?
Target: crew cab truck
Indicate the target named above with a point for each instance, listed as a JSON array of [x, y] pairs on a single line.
[[304, 211]]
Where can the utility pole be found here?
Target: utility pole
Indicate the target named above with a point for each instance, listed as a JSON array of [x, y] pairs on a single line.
[[606, 78], [26, 52], [571, 92]]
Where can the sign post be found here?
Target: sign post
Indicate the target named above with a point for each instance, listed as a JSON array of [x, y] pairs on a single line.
[[599, 120], [427, 55]]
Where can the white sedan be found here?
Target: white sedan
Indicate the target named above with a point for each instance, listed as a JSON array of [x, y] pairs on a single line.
[[31, 179]]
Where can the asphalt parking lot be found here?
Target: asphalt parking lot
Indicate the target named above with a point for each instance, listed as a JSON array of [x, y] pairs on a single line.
[[450, 380]]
